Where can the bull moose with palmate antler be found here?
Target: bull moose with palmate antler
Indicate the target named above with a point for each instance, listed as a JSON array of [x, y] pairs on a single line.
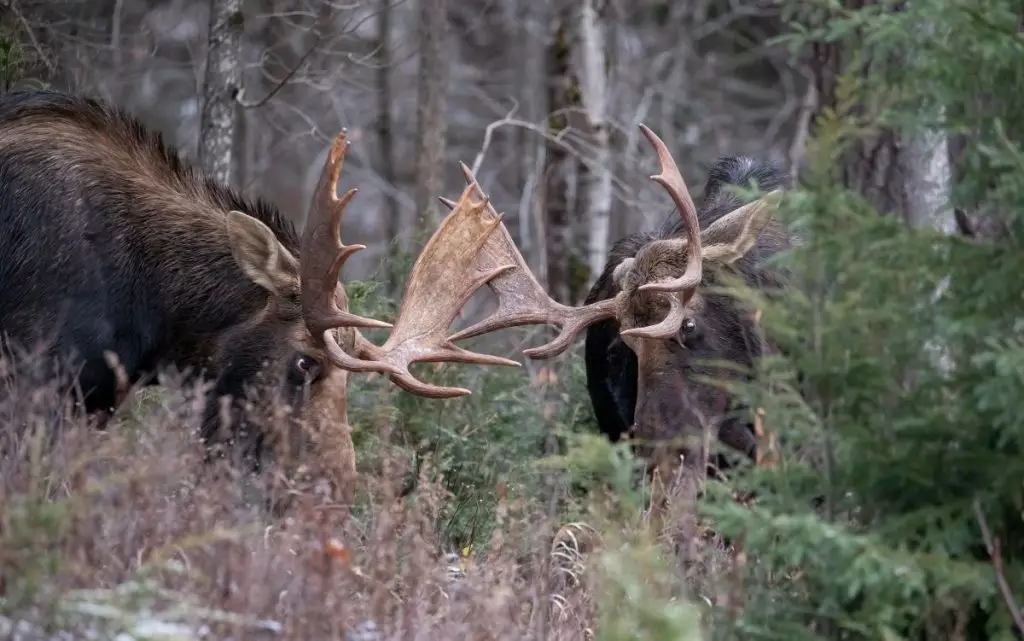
[[654, 326], [112, 245]]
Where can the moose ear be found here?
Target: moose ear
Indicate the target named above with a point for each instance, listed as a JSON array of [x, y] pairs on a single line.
[[730, 237], [261, 256], [621, 272]]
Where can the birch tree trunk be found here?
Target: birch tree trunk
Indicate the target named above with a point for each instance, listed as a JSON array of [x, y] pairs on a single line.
[[902, 174], [595, 182], [929, 182], [930, 172], [432, 125], [221, 84], [929, 188]]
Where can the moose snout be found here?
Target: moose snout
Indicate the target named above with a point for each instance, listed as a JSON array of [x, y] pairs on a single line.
[[665, 422]]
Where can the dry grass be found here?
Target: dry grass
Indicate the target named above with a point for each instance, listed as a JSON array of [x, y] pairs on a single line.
[[129, 531]]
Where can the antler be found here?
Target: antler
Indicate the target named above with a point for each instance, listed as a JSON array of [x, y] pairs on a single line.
[[522, 300], [322, 253], [442, 279], [683, 287]]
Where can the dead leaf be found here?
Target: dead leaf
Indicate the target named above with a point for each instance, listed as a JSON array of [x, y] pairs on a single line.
[[337, 550]]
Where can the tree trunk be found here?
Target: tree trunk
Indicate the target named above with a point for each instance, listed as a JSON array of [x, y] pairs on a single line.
[[929, 182], [873, 166], [392, 215], [221, 84], [929, 173], [557, 166], [929, 190], [432, 126], [595, 181], [906, 174], [527, 22]]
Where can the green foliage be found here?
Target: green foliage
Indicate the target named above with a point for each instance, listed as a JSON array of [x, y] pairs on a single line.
[[636, 600], [900, 409], [16, 67], [10, 60], [491, 442]]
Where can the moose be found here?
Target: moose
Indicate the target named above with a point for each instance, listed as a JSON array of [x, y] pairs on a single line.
[[113, 245], [654, 325]]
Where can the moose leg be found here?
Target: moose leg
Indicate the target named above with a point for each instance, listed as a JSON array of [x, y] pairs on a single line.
[[107, 367]]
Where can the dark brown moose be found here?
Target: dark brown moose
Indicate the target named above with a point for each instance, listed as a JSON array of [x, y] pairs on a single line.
[[652, 323], [112, 245]]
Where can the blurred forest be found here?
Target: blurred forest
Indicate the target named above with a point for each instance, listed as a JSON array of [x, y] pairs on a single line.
[[541, 98], [892, 505]]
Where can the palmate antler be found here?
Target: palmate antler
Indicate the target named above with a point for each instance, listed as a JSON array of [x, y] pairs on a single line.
[[522, 300], [442, 279]]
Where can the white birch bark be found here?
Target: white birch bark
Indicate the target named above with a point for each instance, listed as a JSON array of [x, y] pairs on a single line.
[[221, 84], [929, 186], [596, 190]]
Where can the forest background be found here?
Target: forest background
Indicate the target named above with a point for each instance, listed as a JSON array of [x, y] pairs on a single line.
[[903, 124]]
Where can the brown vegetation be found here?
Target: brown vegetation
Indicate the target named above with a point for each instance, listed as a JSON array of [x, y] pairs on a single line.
[[126, 529]]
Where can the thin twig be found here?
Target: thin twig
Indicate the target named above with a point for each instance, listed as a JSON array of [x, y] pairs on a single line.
[[317, 39], [996, 557], [32, 38], [489, 133], [803, 127], [509, 121]]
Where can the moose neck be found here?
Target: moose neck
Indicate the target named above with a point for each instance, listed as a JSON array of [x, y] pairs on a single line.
[[168, 223], [203, 291]]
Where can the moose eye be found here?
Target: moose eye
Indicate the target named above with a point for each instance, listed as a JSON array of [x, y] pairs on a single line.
[[306, 367]]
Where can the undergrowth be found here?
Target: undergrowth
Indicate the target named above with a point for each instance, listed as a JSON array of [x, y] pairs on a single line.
[[469, 523]]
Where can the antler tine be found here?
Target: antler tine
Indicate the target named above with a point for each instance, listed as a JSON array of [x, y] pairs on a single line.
[[444, 276], [521, 299], [672, 180], [668, 327], [683, 287], [322, 253]]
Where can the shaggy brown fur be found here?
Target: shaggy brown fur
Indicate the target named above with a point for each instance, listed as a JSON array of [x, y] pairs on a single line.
[[111, 243], [660, 395]]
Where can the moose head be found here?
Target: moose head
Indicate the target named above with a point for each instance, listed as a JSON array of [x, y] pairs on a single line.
[[657, 300]]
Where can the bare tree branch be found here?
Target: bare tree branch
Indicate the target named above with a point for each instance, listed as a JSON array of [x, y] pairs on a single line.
[[996, 557]]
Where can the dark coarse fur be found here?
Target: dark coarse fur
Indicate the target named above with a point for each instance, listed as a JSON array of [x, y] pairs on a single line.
[[612, 366], [111, 242]]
